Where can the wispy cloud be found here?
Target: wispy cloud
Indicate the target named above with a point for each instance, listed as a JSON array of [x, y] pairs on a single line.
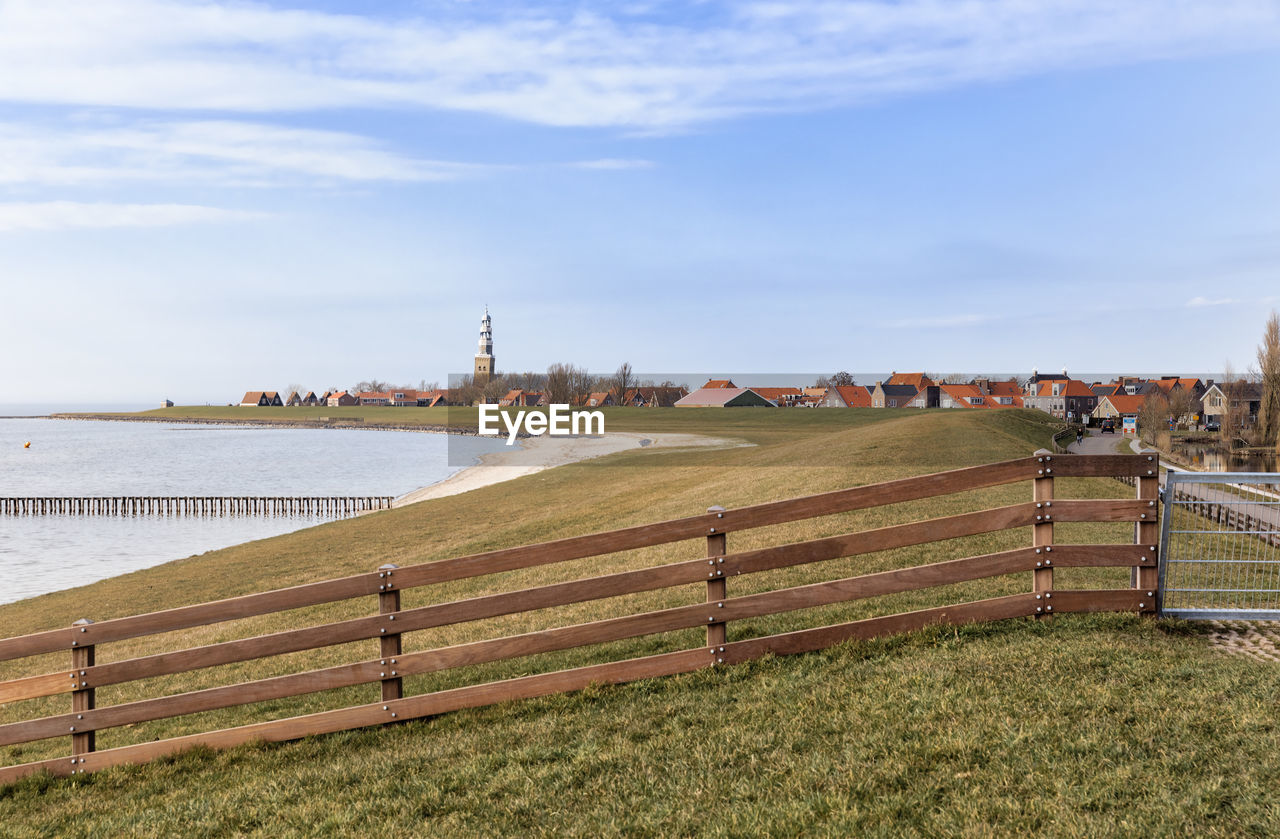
[[220, 151], [1197, 302], [940, 321], [561, 64], [613, 163], [67, 215]]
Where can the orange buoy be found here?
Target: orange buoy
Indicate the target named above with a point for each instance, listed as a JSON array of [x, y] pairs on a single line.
[[26, 445]]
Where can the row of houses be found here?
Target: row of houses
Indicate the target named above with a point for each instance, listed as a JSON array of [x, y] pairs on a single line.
[[900, 390], [1056, 394], [636, 397], [344, 398]]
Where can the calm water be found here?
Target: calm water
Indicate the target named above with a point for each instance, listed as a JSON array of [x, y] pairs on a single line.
[[1213, 459], [40, 554]]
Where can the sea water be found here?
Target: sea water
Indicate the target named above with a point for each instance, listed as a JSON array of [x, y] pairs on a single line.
[[44, 553]]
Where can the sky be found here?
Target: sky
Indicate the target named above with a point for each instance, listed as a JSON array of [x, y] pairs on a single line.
[[203, 198]]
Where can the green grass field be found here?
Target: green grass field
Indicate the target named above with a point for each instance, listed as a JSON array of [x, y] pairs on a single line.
[[1079, 726]]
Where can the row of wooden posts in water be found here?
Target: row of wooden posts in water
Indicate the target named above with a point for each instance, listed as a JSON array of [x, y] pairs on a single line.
[[194, 505]]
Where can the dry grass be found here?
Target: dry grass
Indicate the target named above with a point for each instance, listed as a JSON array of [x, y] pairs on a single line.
[[941, 733]]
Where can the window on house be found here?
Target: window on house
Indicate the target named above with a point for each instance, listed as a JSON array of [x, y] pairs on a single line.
[[893, 403], [975, 400]]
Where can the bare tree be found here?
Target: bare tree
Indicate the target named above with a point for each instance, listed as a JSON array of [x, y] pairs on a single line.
[[1182, 403], [841, 379], [1268, 429], [567, 384], [1153, 419], [371, 385], [623, 381], [289, 390], [1236, 409], [559, 389]]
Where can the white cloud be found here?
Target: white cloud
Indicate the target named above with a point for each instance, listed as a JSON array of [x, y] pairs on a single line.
[[65, 215], [613, 163], [940, 321], [1197, 302], [561, 65], [218, 151]]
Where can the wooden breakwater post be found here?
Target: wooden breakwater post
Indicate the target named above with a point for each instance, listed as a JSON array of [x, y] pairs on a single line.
[[194, 505]]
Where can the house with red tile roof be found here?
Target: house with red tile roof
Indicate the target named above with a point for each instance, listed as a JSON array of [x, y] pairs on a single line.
[[719, 383], [339, 399], [1068, 399], [522, 398], [432, 398], [1119, 405], [969, 396], [780, 396], [600, 399], [261, 399], [917, 380], [847, 396]]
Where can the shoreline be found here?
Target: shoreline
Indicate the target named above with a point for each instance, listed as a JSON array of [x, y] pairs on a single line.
[[342, 423], [536, 454], [533, 454]]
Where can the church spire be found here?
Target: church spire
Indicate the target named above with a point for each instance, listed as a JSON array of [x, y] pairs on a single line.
[[484, 367]]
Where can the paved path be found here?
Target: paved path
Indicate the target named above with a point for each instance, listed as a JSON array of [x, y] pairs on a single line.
[[1096, 443]]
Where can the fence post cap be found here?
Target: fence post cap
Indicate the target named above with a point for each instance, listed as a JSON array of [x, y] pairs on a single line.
[[390, 566], [715, 509], [82, 622]]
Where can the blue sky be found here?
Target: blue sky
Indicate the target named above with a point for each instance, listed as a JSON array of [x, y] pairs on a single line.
[[197, 199]]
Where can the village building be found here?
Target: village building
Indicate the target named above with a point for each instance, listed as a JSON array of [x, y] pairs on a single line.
[[1244, 398], [432, 398], [522, 398], [340, 399], [261, 398], [892, 396], [847, 396], [1067, 399], [783, 397], [919, 381], [1117, 406], [599, 400], [724, 397], [929, 396], [662, 396]]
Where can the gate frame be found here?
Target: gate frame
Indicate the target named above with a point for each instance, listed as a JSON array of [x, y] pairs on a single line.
[[1172, 478]]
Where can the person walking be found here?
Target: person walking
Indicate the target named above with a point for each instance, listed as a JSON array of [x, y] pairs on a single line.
[[1079, 435]]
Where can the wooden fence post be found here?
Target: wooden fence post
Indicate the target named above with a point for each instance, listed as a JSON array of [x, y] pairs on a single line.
[[717, 631], [389, 604], [82, 698], [1042, 533], [1147, 532]]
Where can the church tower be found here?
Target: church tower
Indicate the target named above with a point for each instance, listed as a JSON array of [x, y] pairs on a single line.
[[484, 369]]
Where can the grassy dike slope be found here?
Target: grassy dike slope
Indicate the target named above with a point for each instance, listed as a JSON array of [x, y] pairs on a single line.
[[1083, 725]]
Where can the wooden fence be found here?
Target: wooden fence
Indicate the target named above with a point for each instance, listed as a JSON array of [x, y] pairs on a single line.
[[80, 641], [193, 505]]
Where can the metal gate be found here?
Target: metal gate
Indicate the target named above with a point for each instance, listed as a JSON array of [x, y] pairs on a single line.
[[1220, 546]]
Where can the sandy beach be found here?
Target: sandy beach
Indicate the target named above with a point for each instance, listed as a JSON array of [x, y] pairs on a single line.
[[537, 453]]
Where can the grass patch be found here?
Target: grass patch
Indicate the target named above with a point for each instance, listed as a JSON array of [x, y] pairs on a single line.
[[1083, 725]]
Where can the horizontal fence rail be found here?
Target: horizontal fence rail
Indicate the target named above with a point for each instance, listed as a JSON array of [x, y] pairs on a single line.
[[1221, 537], [192, 505], [715, 612]]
